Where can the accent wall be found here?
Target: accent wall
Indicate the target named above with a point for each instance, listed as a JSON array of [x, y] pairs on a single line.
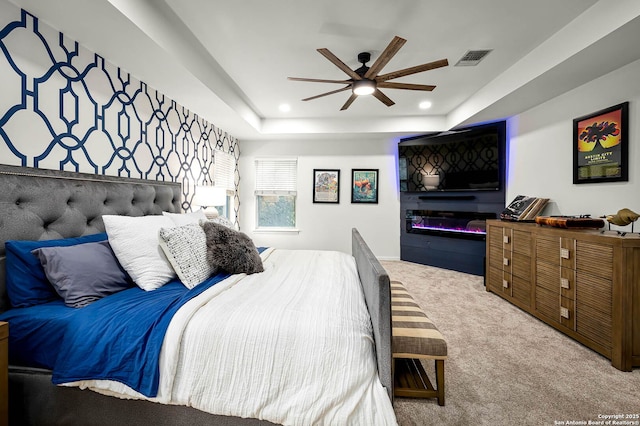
[[64, 107]]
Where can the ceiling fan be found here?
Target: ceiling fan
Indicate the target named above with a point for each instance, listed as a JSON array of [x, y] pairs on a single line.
[[366, 80]]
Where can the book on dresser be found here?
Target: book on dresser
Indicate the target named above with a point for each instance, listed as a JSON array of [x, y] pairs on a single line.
[[524, 208]]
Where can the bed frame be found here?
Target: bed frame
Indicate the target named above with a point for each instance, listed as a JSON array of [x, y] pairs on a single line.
[[38, 204]]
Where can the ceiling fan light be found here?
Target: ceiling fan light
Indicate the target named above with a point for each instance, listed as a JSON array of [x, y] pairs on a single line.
[[364, 87]]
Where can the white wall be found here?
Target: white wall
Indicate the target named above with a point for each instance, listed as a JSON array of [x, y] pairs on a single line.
[[328, 226], [541, 155]]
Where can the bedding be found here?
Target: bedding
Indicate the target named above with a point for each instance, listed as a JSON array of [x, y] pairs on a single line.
[[222, 221], [77, 208], [292, 345], [83, 273], [186, 248], [117, 337], [186, 218], [230, 250], [26, 281], [134, 241]]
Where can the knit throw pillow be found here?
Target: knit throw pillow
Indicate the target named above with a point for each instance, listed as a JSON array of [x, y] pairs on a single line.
[[186, 248]]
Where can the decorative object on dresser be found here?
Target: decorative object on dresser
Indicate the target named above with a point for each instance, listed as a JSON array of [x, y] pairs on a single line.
[[583, 283], [570, 222], [524, 208], [623, 217]]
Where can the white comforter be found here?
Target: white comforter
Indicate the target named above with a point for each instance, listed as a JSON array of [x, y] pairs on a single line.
[[292, 345]]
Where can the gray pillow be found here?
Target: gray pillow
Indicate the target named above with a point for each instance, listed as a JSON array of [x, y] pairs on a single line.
[[83, 273], [231, 250]]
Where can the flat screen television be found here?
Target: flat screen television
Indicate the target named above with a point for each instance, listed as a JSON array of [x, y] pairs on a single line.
[[470, 159]]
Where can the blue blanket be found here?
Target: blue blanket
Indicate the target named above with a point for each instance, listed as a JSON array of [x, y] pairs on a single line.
[[115, 338]]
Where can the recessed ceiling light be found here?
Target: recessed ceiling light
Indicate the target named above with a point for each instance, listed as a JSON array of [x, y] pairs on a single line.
[[425, 105], [285, 107]]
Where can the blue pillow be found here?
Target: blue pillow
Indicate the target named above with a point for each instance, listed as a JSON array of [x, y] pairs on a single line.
[[26, 282], [83, 273]]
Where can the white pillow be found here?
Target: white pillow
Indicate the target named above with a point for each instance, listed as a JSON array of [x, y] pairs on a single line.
[[135, 242], [186, 248], [180, 219]]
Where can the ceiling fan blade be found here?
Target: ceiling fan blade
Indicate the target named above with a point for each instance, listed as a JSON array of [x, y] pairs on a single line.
[[328, 93], [337, 62], [385, 57], [407, 86], [413, 70], [319, 80], [383, 98], [349, 102]]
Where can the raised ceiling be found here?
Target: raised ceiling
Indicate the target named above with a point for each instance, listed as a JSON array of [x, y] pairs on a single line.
[[229, 61]]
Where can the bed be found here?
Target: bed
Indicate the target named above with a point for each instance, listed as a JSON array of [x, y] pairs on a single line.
[[40, 204]]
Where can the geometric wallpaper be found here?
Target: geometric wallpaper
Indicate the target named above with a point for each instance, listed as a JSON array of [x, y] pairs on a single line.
[[63, 107]]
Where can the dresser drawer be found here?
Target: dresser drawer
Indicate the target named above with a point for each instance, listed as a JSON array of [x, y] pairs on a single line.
[[521, 290], [522, 242], [521, 265], [547, 304], [567, 313], [499, 281], [548, 249], [497, 256], [593, 324], [594, 259], [495, 235], [595, 292], [548, 276]]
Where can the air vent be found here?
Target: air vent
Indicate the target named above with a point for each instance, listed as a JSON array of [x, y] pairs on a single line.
[[472, 58]]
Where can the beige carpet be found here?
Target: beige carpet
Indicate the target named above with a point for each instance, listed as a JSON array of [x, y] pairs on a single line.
[[505, 367]]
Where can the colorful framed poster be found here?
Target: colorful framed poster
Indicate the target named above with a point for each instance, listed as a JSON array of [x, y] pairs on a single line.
[[600, 146], [364, 186], [326, 186]]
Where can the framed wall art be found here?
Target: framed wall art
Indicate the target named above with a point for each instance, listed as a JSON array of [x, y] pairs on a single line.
[[600, 146], [364, 186], [326, 186]]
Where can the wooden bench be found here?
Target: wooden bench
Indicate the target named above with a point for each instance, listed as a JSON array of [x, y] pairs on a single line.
[[414, 337]]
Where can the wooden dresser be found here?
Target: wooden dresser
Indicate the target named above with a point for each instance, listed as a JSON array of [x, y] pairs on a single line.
[[4, 374], [584, 283]]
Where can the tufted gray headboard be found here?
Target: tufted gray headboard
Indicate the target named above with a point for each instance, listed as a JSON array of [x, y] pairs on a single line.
[[38, 204]]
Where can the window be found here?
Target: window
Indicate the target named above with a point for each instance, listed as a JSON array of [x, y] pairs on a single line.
[[224, 177], [276, 184]]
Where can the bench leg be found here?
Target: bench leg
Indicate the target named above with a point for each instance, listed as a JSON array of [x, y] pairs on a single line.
[[440, 380], [411, 380]]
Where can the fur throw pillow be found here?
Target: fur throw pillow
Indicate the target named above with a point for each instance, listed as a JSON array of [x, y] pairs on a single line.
[[231, 250]]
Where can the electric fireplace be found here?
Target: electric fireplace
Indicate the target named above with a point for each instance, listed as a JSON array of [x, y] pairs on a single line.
[[453, 224], [450, 183]]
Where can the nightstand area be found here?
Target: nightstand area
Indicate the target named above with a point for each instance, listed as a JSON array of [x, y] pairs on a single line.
[[4, 374]]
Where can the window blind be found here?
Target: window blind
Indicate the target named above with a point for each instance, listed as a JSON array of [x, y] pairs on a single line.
[[224, 170], [277, 176]]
